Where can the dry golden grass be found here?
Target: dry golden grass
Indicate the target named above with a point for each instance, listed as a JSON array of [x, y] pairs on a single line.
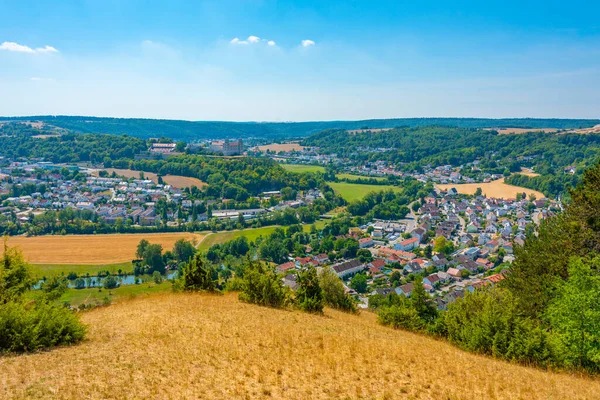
[[496, 189], [528, 172], [173, 180], [518, 131], [91, 249], [585, 131], [213, 347], [277, 147]]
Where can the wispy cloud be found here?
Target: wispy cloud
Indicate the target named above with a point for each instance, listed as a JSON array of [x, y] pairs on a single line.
[[307, 43], [19, 48], [271, 43]]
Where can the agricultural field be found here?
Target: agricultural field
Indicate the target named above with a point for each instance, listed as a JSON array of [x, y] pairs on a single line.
[[216, 347], [98, 250], [496, 189], [173, 180], [352, 176], [518, 131], [356, 191], [299, 168], [251, 234], [285, 147]]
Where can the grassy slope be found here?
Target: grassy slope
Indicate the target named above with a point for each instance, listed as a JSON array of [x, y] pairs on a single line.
[[353, 177], [303, 168], [96, 296], [200, 346], [251, 234], [356, 191]]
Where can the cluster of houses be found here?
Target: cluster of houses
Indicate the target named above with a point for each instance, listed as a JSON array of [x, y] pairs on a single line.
[[480, 231]]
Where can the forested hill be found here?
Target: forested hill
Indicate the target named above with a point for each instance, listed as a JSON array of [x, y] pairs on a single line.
[[195, 130]]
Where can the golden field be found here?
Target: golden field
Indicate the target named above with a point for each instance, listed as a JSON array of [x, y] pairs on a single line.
[[277, 147], [518, 131], [173, 180], [189, 346], [91, 249], [495, 189]]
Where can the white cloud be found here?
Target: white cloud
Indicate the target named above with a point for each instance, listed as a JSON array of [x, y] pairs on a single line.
[[271, 43], [46, 49], [251, 40], [12, 46], [307, 43]]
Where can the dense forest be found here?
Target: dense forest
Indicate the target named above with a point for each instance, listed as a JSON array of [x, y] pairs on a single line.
[[196, 130]]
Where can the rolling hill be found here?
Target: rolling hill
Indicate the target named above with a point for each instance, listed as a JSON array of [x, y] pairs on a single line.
[[196, 130], [201, 346]]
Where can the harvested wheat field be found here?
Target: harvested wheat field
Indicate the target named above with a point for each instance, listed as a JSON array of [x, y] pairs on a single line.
[[277, 147], [518, 131], [495, 189], [184, 346], [173, 180], [91, 249]]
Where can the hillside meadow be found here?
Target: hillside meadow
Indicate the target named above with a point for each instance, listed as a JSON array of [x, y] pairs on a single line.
[[190, 346], [301, 168], [356, 191]]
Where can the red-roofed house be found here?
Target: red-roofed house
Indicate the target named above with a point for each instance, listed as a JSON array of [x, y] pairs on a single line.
[[407, 244]]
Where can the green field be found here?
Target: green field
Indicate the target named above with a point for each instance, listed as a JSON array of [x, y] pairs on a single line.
[[250, 234], [96, 296], [356, 191], [48, 270], [303, 168], [352, 176]]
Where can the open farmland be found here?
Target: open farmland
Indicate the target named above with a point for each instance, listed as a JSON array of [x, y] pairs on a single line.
[[215, 347], [518, 131], [91, 249], [496, 189], [173, 180], [356, 191], [299, 168], [277, 147]]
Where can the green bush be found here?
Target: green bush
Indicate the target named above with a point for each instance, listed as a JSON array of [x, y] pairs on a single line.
[[489, 322], [262, 286], [334, 293], [196, 276], [37, 324], [400, 316], [309, 295], [30, 328]]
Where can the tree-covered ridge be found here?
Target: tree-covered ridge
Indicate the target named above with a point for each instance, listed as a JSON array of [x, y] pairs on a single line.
[[194, 130], [68, 148]]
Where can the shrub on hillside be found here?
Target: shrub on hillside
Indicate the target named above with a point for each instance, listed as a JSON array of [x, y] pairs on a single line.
[[489, 322], [334, 293], [196, 276], [27, 325], [262, 286], [309, 295]]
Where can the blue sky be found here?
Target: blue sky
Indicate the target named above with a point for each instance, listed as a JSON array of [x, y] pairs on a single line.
[[267, 60]]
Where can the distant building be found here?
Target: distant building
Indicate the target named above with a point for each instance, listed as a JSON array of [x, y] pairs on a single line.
[[227, 147], [162, 147]]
